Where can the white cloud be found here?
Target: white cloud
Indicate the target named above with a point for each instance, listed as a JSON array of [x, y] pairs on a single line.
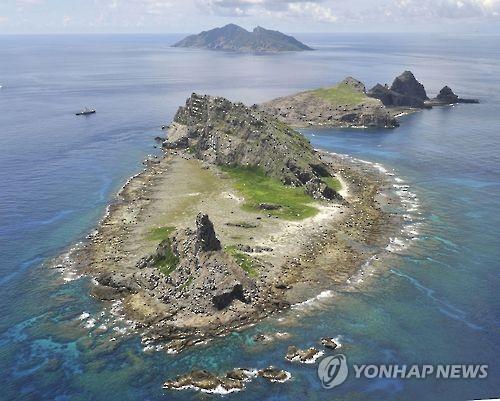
[[284, 9]]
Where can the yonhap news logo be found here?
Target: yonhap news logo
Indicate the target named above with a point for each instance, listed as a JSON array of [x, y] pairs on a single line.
[[334, 370]]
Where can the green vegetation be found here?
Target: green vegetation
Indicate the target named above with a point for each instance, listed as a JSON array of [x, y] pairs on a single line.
[[259, 188], [333, 183], [246, 262], [168, 263], [160, 233], [341, 95]]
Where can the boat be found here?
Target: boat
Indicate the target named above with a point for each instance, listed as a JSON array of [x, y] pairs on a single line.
[[85, 112]]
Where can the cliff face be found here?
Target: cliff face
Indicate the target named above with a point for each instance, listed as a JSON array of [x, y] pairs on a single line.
[[224, 133], [405, 91], [234, 38]]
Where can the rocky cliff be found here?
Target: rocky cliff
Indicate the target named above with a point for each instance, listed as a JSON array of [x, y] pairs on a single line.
[[231, 134], [405, 91], [235, 38]]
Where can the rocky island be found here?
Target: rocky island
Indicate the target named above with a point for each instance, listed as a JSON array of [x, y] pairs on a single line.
[[349, 104], [235, 38], [240, 219]]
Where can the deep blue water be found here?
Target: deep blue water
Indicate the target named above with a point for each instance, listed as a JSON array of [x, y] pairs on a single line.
[[434, 300]]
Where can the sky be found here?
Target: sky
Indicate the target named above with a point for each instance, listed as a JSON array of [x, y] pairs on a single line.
[[192, 16]]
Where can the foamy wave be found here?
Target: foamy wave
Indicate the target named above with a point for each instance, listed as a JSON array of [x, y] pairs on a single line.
[[311, 301]]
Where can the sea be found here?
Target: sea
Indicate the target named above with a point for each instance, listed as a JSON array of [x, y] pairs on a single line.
[[432, 298]]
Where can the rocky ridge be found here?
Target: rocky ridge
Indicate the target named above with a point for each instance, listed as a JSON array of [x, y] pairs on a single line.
[[235, 38], [223, 133]]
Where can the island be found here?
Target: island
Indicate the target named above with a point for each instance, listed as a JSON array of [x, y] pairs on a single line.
[[349, 104], [235, 38], [240, 219]]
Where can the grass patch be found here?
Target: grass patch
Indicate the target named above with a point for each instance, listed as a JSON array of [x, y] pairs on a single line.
[[160, 233], [259, 188], [333, 183], [168, 263], [341, 95], [246, 262]]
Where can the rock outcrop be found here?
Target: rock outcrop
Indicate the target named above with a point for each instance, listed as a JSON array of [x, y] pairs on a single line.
[[230, 134], [407, 85], [447, 96], [309, 355], [235, 38], [233, 380], [343, 105], [405, 91]]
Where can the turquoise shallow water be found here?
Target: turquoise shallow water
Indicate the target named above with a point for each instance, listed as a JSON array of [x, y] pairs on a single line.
[[434, 299]]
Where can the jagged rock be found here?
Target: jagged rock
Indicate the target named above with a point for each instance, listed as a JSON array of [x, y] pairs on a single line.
[[405, 91], [309, 355], [238, 374], [446, 95], [181, 143], [205, 234], [329, 343], [406, 84], [354, 84], [274, 374], [119, 281], [202, 380]]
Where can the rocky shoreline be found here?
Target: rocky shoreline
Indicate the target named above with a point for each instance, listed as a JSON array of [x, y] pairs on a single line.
[[360, 224]]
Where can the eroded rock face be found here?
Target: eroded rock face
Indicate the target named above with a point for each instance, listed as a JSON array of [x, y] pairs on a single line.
[[230, 134], [205, 234], [446, 95], [406, 84], [405, 91]]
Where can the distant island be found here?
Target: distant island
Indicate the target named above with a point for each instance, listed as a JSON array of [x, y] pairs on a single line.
[[349, 104], [235, 38]]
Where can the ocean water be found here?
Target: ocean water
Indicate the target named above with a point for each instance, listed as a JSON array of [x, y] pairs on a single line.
[[434, 298]]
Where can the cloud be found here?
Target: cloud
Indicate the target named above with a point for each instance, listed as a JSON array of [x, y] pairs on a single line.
[[283, 9]]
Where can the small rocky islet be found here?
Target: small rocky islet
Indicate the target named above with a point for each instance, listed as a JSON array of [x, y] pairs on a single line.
[[350, 104], [203, 260]]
